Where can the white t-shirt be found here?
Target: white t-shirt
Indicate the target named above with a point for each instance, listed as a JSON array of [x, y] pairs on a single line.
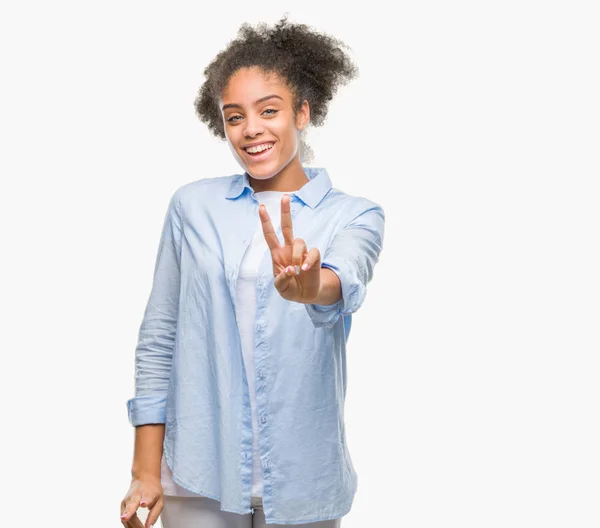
[[246, 315]]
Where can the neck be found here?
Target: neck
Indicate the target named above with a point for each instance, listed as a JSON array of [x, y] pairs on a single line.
[[289, 179]]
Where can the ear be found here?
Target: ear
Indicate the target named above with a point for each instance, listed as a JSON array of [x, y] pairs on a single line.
[[303, 116]]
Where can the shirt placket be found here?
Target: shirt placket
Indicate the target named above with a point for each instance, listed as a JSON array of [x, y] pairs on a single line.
[[264, 284]]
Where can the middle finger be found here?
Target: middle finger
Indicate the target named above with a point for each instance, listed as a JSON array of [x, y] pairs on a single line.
[[286, 221]]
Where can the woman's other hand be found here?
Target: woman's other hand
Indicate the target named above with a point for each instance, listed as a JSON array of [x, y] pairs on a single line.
[[297, 271], [146, 492]]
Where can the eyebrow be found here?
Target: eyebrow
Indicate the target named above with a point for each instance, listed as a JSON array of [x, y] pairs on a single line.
[[262, 99]]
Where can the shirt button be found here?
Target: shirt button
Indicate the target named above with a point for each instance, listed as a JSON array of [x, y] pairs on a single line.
[[267, 464], [261, 373], [260, 325], [263, 419]]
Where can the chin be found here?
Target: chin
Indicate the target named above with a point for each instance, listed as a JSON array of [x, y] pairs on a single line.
[[263, 173]]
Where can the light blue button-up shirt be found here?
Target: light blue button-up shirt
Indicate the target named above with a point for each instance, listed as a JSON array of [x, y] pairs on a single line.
[[189, 370]]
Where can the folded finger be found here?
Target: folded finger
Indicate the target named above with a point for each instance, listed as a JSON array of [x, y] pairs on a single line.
[[313, 257], [298, 250]]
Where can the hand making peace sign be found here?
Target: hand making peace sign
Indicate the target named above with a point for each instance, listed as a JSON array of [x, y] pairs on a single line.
[[304, 284]]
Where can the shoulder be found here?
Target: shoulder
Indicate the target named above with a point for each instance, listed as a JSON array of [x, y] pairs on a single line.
[[202, 190], [348, 207]]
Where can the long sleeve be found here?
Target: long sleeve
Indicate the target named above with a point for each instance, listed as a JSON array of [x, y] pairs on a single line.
[[352, 255], [156, 338]]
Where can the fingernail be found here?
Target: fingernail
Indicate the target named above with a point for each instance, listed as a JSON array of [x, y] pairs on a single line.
[[124, 515], [304, 267], [143, 503]]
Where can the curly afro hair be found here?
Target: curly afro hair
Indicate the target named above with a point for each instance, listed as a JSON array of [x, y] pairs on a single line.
[[312, 65]]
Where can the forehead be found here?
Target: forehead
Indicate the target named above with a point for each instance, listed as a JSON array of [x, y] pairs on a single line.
[[249, 84]]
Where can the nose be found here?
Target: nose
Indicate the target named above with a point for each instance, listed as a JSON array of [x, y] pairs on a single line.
[[252, 127]]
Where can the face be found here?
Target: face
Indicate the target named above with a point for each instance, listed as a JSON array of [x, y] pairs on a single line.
[[257, 110]]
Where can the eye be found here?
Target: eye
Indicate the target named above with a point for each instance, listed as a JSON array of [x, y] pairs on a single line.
[[233, 119]]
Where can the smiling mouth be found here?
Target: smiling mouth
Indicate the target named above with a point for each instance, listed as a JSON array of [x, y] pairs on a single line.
[[262, 147], [262, 154]]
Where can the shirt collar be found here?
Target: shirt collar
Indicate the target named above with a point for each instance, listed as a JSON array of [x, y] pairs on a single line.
[[311, 193]]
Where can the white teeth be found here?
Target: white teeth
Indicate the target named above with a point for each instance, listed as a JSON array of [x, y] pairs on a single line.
[[259, 148]]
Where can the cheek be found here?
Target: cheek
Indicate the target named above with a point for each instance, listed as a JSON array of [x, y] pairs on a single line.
[[285, 131], [229, 133], [232, 148], [232, 139]]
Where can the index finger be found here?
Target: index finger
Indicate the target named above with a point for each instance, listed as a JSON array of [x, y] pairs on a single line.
[[286, 221], [267, 227]]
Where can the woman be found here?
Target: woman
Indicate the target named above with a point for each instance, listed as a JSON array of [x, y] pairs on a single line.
[[241, 357]]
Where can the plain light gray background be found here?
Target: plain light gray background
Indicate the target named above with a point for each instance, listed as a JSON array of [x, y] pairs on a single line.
[[473, 364]]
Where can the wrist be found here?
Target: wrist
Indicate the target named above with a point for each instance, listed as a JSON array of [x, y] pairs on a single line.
[[313, 300], [330, 288], [145, 474]]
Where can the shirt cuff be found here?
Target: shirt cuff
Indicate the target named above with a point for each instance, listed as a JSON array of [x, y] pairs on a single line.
[[353, 294], [143, 410]]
